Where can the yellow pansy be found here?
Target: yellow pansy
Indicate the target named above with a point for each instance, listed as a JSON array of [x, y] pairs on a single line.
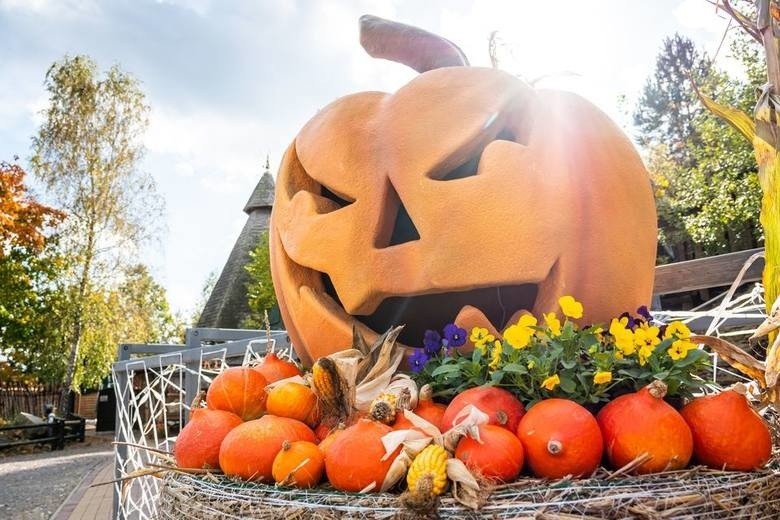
[[553, 323], [551, 382], [571, 308], [680, 348], [602, 377], [481, 337], [624, 337], [678, 330], [644, 354], [519, 334], [495, 355]]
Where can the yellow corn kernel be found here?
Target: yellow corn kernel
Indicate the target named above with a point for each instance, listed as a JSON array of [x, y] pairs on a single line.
[[428, 473]]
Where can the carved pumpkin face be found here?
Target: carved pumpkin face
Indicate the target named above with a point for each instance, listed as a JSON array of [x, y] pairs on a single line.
[[465, 194]]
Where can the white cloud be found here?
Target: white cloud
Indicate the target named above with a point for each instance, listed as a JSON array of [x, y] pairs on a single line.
[[62, 9], [700, 15]]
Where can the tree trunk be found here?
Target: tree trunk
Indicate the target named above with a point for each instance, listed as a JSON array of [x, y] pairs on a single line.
[[77, 318]]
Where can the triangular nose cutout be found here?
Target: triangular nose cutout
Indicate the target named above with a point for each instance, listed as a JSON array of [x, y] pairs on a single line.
[[404, 229]]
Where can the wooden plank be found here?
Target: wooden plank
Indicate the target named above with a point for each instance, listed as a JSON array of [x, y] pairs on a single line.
[[703, 273]]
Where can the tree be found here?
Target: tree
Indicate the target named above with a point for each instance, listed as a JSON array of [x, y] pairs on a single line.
[[702, 172], [259, 287], [87, 152], [31, 296], [668, 108], [23, 220], [205, 292], [144, 304]]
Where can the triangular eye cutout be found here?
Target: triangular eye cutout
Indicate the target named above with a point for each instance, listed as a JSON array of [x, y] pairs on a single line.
[[404, 229], [325, 192]]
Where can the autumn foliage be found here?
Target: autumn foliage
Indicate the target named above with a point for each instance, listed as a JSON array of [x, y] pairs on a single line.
[[22, 218]]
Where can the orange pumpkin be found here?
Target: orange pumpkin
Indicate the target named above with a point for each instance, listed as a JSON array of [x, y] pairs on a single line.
[[727, 432], [502, 407], [274, 369], [248, 451], [239, 390], [299, 464], [560, 438], [322, 430], [497, 455], [295, 401], [197, 445], [642, 422], [426, 408], [372, 194], [353, 461]]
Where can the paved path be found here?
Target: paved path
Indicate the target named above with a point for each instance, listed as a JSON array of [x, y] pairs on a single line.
[[34, 486], [90, 503]]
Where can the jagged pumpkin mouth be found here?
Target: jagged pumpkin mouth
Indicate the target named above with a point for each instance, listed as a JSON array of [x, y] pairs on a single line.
[[499, 304]]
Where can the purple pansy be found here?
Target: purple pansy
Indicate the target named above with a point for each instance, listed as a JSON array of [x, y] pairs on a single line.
[[645, 313], [454, 335], [418, 360], [631, 325], [432, 342]]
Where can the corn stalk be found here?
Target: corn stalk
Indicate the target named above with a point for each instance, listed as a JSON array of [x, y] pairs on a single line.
[[762, 130]]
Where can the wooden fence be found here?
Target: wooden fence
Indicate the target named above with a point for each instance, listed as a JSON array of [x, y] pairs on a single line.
[[16, 398]]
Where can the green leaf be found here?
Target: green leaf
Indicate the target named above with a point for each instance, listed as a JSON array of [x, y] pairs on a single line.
[[515, 368], [568, 363], [446, 370], [567, 384]]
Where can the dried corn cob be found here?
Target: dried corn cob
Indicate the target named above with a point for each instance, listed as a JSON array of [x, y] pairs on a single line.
[[329, 387], [428, 473]]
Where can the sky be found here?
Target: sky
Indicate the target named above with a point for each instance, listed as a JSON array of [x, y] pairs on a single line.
[[230, 82]]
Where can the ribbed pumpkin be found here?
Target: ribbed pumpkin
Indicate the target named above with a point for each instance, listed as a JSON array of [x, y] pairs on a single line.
[[353, 460], [502, 407], [560, 438], [299, 464], [274, 369], [197, 445], [727, 432], [295, 401], [248, 451], [239, 390], [642, 422], [498, 455]]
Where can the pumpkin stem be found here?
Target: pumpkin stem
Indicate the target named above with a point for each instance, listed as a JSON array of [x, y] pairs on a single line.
[[739, 388], [502, 417], [426, 393], [286, 445], [657, 389], [198, 401], [408, 45], [554, 447]]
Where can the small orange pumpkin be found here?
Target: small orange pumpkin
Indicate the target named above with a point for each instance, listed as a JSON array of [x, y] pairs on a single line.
[[324, 445], [239, 390], [274, 369], [295, 401], [642, 422], [197, 445], [426, 408], [497, 455], [249, 450], [502, 407], [354, 458], [727, 432], [299, 464], [560, 438]]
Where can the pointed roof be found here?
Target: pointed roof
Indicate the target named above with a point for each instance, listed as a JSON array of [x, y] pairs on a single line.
[[263, 195]]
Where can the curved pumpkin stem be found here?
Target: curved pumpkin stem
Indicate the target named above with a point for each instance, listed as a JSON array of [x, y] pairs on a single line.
[[411, 46]]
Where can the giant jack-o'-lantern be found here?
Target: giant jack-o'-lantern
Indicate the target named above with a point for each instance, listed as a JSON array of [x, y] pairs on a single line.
[[467, 195]]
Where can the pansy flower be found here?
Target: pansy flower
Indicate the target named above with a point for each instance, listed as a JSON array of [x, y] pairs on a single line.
[[454, 335], [480, 336], [553, 323], [418, 360], [551, 382], [432, 342], [519, 334], [602, 377], [570, 307], [495, 355], [645, 313]]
